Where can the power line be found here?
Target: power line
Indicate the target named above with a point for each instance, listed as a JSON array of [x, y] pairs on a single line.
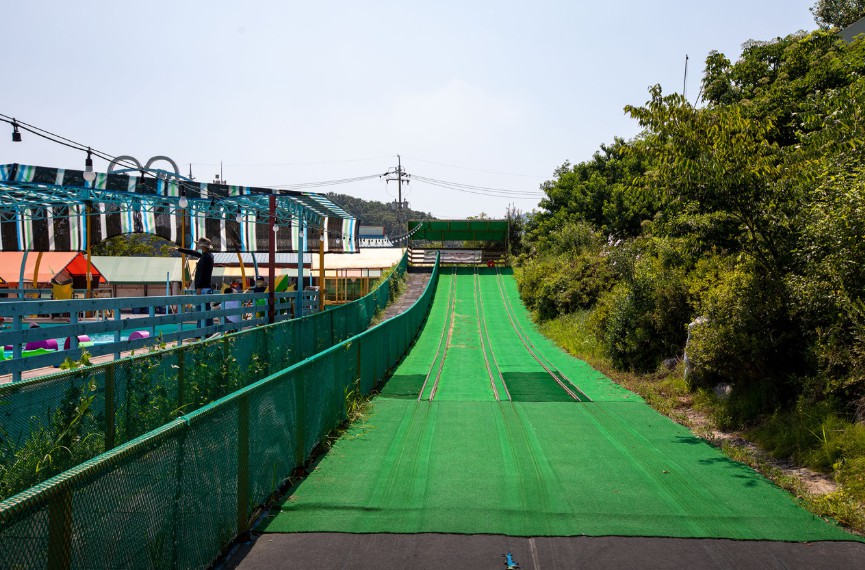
[[258, 165], [481, 190], [473, 169], [64, 141], [305, 185]]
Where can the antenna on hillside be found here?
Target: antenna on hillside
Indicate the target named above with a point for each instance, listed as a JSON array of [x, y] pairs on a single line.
[[685, 81]]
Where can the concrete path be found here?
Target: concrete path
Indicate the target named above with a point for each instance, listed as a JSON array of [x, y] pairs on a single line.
[[415, 284], [314, 551]]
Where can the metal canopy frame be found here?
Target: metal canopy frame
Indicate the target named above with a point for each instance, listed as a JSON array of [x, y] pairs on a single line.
[[37, 193]]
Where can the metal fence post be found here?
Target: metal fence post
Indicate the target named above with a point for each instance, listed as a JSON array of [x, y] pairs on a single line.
[[242, 465], [181, 380], [60, 530], [300, 417], [117, 317], [110, 435]]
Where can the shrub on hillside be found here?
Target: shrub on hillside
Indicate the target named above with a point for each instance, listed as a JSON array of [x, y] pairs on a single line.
[[750, 341], [642, 320], [562, 284]]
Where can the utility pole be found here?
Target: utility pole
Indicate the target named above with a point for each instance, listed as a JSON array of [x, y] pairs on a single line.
[[399, 175]]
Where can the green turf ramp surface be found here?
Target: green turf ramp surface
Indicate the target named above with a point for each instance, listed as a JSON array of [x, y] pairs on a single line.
[[537, 469], [538, 464]]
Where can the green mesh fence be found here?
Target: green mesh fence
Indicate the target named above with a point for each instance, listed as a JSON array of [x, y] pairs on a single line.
[[176, 496], [50, 424]]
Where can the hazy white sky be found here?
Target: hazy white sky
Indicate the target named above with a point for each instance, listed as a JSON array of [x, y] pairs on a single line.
[[494, 94]]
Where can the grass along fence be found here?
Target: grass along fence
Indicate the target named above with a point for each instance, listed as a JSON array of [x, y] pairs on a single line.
[[51, 424], [177, 496]]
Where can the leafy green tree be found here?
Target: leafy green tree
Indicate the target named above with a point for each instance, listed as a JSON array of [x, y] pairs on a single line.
[[720, 161], [142, 245], [599, 191], [837, 13], [516, 229]]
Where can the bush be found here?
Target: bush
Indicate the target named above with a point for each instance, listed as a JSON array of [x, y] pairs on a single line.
[[749, 341], [642, 322], [560, 285]]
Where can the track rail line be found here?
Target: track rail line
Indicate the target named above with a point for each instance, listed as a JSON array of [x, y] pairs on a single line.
[[484, 333], [476, 293], [449, 328], [532, 349]]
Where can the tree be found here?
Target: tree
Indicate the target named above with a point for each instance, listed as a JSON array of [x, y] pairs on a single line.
[[837, 13], [516, 228], [722, 161], [142, 245], [598, 191]]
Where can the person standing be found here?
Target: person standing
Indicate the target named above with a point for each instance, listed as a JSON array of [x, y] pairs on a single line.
[[260, 287], [203, 270]]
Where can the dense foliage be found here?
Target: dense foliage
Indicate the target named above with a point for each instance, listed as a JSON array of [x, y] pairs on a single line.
[[140, 245], [840, 13], [747, 210]]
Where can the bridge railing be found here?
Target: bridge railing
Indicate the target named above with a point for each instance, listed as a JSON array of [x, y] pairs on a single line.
[[177, 496]]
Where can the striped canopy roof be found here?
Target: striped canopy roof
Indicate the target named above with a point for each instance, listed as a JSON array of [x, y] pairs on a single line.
[[46, 209]]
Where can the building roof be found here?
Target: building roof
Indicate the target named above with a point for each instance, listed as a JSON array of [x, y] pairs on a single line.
[[375, 258], [50, 264], [850, 32], [263, 259], [128, 269]]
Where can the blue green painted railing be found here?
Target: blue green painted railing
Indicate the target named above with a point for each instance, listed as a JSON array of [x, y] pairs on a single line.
[[185, 314], [177, 496], [111, 403]]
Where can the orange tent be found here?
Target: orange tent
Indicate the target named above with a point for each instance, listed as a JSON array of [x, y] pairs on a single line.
[[53, 263]]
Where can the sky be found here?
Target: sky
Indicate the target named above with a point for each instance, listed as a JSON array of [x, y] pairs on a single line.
[[484, 94]]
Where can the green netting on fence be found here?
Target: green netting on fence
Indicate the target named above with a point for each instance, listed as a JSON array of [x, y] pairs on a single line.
[[177, 496], [52, 423]]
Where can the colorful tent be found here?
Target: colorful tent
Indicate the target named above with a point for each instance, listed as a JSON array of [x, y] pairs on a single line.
[[51, 264]]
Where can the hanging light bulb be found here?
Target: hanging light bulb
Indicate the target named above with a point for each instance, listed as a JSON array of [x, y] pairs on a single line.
[[183, 202], [89, 175], [16, 134]]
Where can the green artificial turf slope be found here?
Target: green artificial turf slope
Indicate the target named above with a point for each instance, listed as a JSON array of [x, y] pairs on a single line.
[[534, 466], [537, 469]]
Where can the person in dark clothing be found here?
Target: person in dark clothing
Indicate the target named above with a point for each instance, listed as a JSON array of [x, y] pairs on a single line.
[[260, 287], [203, 269]]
